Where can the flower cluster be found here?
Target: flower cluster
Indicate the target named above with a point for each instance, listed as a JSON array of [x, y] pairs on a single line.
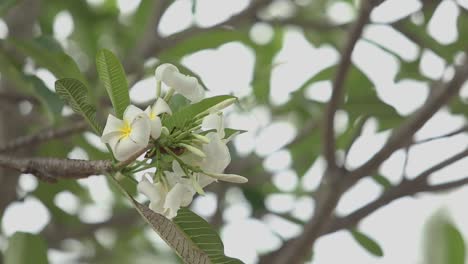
[[187, 158]]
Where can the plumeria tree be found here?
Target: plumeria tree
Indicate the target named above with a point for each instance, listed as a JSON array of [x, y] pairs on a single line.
[[157, 156]]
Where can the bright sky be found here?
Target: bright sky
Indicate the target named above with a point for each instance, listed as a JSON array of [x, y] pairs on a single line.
[[398, 227]]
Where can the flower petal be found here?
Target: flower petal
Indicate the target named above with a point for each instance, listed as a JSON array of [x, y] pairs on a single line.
[[125, 148], [156, 127], [217, 154], [152, 191], [214, 121], [160, 106], [113, 126], [165, 71], [131, 112], [177, 168], [204, 180], [141, 129], [186, 86], [177, 196]]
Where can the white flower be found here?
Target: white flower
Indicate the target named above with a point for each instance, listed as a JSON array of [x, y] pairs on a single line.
[[168, 202], [214, 121], [181, 193], [153, 112], [187, 86], [216, 161], [156, 193], [128, 136]]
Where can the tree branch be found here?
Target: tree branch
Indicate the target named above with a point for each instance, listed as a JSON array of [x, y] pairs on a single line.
[[401, 136], [249, 13], [338, 82], [405, 188], [52, 169], [42, 136], [13, 97], [450, 134]]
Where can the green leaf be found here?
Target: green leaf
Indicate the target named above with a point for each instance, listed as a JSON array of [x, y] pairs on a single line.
[[264, 56], [50, 56], [192, 238], [12, 71], [362, 99], [187, 114], [49, 100], [24, 248], [75, 94], [113, 77], [368, 243], [443, 242], [178, 102], [231, 131]]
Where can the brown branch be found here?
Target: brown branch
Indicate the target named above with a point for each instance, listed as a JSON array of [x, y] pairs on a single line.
[[43, 136], [338, 82], [403, 134], [247, 14], [405, 188], [333, 183], [149, 38], [13, 97], [54, 168], [450, 134]]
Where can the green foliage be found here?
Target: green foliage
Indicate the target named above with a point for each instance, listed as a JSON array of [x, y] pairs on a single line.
[[264, 55], [75, 94], [443, 242], [49, 100], [113, 77], [24, 248], [228, 132], [186, 114], [48, 54], [367, 243]]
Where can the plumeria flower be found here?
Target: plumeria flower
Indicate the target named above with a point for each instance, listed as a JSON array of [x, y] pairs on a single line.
[[181, 193], [185, 85], [167, 200], [153, 112], [217, 156], [128, 136], [156, 193]]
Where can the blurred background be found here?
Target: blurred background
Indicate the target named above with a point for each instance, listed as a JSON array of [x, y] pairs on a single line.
[[278, 57]]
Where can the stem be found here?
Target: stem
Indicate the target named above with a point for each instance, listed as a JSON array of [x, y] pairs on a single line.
[[158, 89], [169, 94]]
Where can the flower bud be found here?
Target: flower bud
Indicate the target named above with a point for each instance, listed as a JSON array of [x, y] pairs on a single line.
[[194, 150], [228, 177]]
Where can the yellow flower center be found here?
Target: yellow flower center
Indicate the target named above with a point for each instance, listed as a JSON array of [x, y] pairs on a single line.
[[152, 116], [125, 131]]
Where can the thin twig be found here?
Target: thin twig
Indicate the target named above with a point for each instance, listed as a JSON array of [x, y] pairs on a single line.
[[13, 97], [43, 136], [400, 136], [405, 188], [450, 134], [338, 82]]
